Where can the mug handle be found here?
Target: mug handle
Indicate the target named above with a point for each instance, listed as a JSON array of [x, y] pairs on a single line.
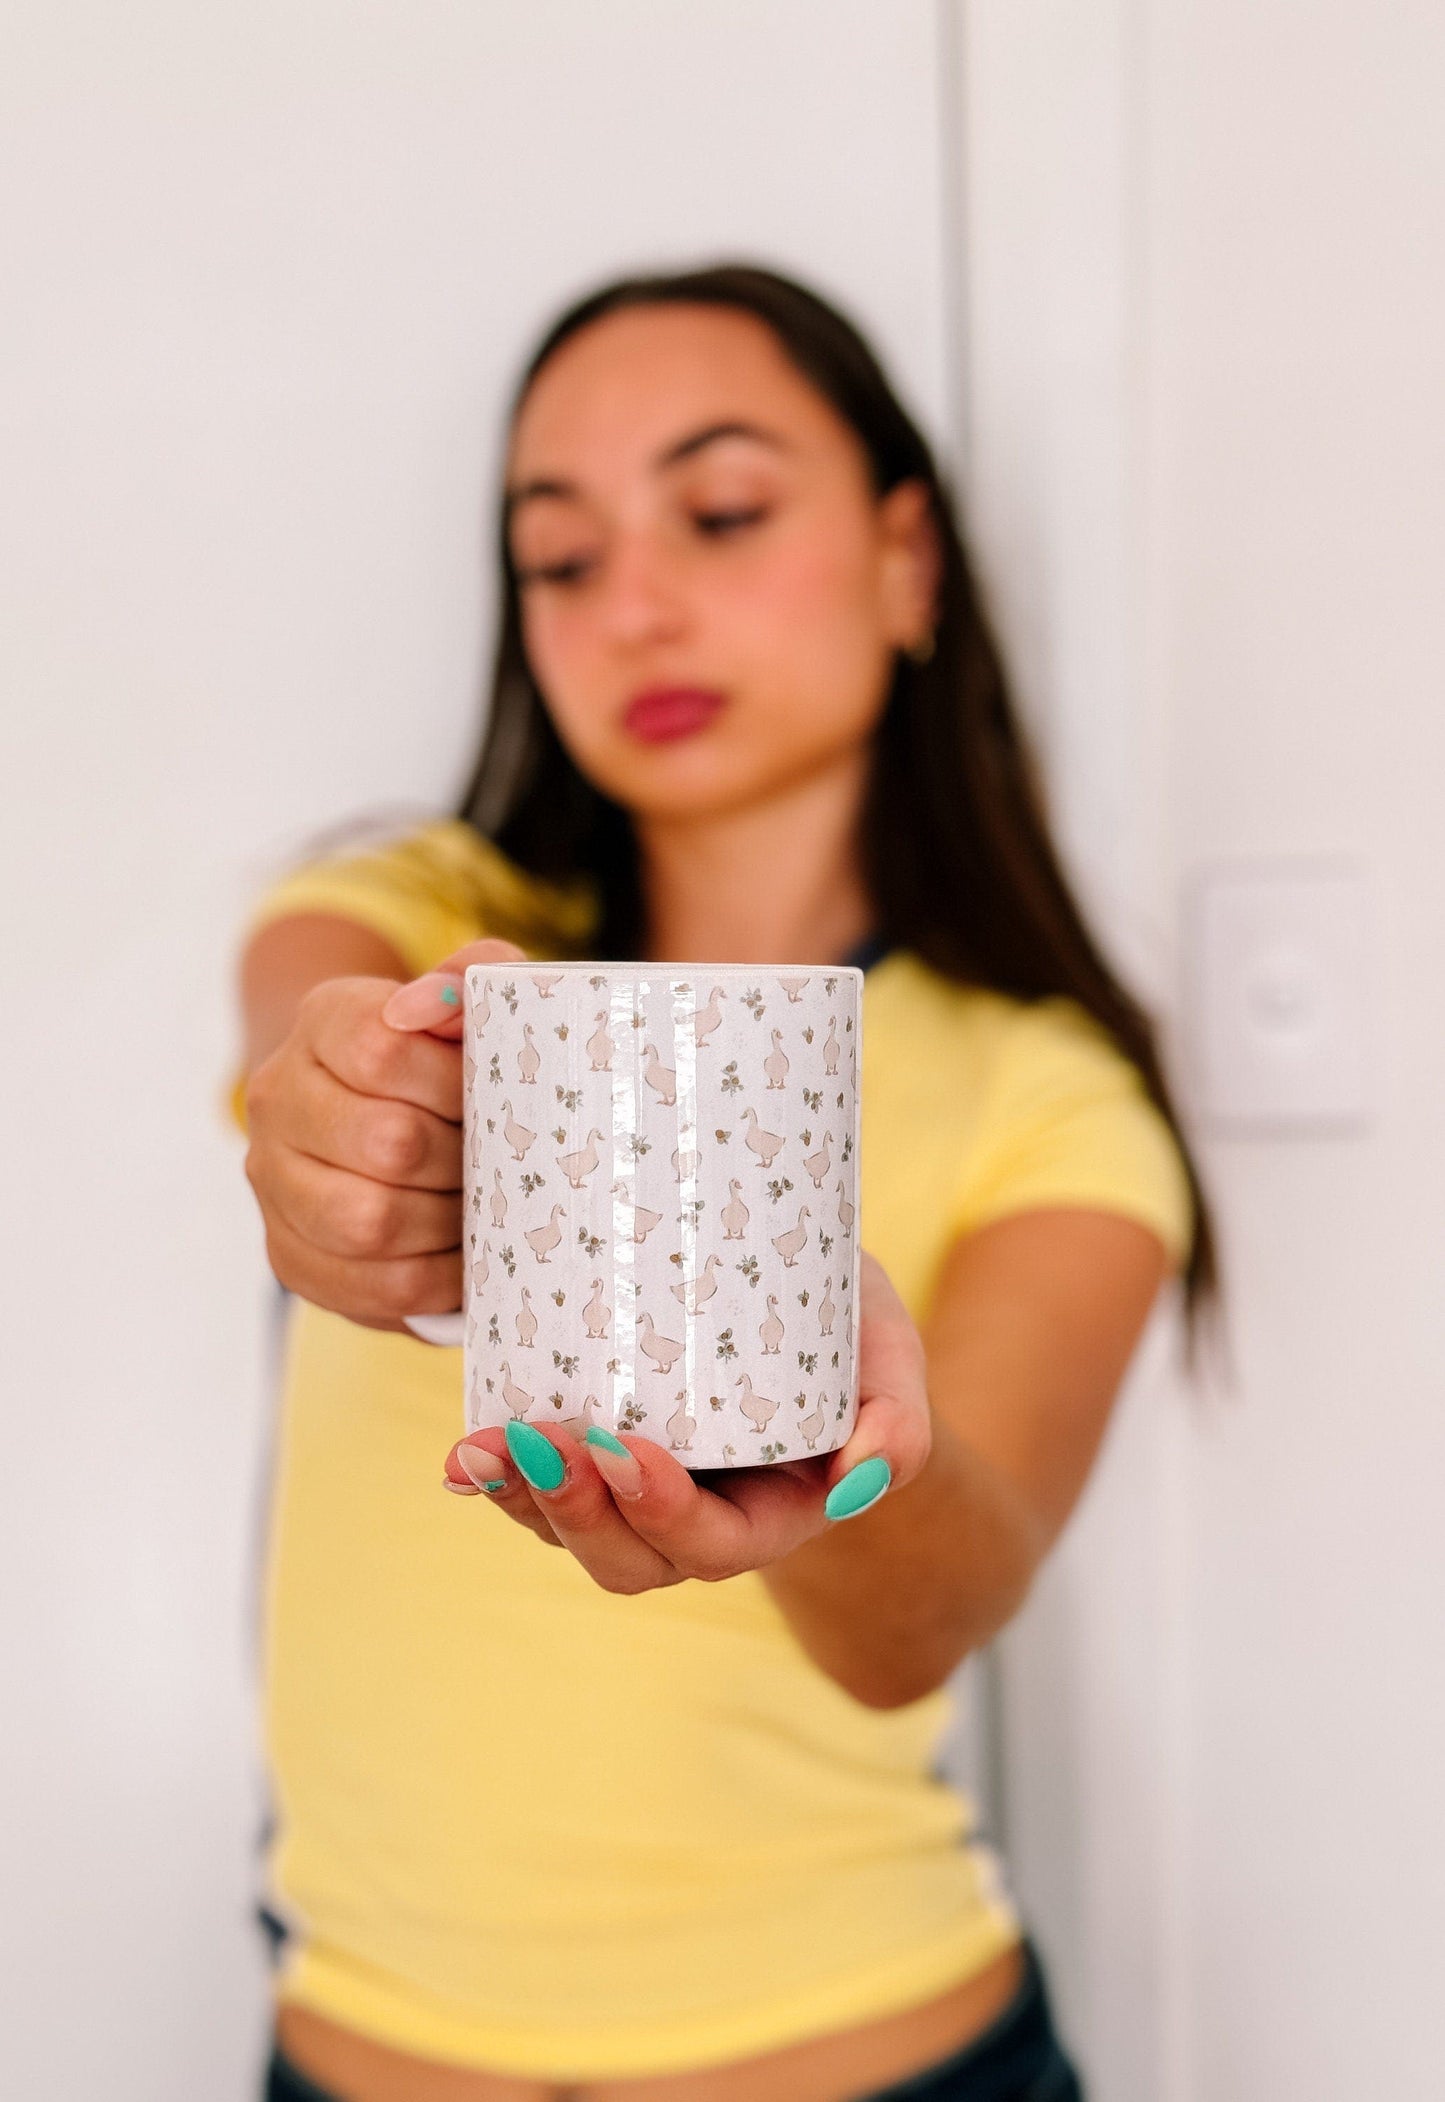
[[446, 1330]]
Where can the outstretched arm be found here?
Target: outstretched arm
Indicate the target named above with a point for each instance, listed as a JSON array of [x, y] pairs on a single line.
[[1033, 1322]]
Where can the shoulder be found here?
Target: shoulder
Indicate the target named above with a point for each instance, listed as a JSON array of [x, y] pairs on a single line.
[[429, 888]]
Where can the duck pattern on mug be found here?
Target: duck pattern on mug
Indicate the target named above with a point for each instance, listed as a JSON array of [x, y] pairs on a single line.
[[625, 1267]]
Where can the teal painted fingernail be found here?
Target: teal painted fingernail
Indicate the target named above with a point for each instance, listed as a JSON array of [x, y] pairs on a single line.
[[597, 1436], [537, 1456], [449, 996], [861, 1485]]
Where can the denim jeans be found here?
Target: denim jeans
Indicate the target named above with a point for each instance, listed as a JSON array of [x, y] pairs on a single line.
[[1018, 2058]]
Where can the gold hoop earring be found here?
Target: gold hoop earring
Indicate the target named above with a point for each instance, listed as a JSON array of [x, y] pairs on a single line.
[[922, 650]]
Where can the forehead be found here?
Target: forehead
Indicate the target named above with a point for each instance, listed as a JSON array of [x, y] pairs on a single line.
[[617, 393]]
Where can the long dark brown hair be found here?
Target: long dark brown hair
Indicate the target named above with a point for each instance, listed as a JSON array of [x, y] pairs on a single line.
[[956, 842]]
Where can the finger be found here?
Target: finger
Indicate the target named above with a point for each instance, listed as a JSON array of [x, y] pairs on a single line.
[[355, 1217], [893, 1435], [434, 1002], [480, 1465], [388, 1140], [343, 1029], [761, 1514], [359, 1288], [575, 1501]]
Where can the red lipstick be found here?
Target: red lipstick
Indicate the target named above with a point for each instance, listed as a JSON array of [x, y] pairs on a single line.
[[667, 712]]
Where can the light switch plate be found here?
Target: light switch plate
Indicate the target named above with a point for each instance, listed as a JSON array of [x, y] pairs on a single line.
[[1278, 995]]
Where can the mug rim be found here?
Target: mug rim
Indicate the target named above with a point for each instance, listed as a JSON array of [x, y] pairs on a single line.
[[655, 969]]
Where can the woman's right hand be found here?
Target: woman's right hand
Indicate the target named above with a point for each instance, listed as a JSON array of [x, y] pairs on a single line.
[[355, 1156]]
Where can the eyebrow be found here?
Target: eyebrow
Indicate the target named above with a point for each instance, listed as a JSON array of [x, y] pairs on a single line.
[[548, 485]]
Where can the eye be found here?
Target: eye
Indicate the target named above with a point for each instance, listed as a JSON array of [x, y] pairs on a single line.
[[554, 573], [720, 522]]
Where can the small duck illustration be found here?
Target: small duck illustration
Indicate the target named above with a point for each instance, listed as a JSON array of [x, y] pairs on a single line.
[[708, 1018], [756, 1407], [766, 1144], [657, 1075], [543, 1239], [516, 1135], [788, 1244], [600, 1045], [577, 1166], [735, 1214], [597, 1313], [663, 1350]]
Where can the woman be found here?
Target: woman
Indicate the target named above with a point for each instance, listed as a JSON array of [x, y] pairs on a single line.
[[632, 1798]]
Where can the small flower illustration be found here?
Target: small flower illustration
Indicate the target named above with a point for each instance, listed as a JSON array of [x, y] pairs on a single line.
[[561, 1030], [731, 1079], [532, 1183], [494, 1334], [614, 1364], [776, 1187], [814, 1099], [803, 1298], [509, 994], [722, 1137], [754, 1000], [597, 982], [848, 1147], [808, 1034], [567, 1366], [589, 1241], [491, 1123], [569, 1097], [835, 1360], [638, 1145], [494, 1070], [509, 1258], [809, 1361], [825, 1242], [806, 1136], [633, 1415], [749, 1268], [772, 1452], [560, 1298], [726, 1348], [560, 1135], [828, 984], [556, 1400], [715, 1401]]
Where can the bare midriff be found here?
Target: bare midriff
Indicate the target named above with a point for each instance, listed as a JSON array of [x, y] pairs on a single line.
[[844, 2066]]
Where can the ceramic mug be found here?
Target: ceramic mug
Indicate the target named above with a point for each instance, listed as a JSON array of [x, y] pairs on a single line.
[[660, 1192]]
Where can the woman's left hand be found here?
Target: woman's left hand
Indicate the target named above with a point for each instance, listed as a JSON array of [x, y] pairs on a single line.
[[637, 1518], [642, 1520]]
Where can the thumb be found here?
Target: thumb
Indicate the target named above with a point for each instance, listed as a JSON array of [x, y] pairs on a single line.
[[433, 1002]]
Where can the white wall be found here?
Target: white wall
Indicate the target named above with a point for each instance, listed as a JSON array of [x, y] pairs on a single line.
[[269, 273], [1207, 429]]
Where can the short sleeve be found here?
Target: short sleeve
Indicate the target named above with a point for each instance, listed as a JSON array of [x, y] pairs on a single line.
[[1067, 1120], [427, 893]]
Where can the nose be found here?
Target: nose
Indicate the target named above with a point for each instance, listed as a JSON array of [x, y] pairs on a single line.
[[643, 599]]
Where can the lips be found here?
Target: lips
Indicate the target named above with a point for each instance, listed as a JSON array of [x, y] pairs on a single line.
[[667, 712]]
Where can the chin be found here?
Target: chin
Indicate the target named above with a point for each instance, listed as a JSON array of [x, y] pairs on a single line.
[[668, 781]]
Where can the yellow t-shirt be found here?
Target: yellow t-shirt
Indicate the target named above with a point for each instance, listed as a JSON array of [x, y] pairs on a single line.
[[525, 1824]]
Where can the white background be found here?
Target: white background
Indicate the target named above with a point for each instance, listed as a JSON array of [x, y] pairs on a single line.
[[270, 273]]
